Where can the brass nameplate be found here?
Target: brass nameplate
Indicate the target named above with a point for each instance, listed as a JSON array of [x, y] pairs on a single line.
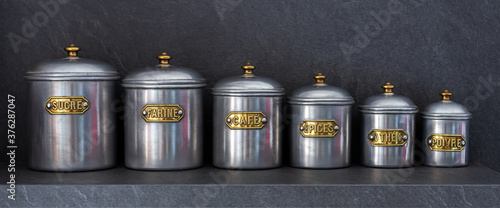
[[319, 128], [448, 143], [387, 137], [162, 113], [246, 120], [67, 105]]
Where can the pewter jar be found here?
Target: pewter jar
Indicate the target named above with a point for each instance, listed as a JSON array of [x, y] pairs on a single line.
[[320, 130], [388, 131], [247, 129], [72, 106], [164, 117], [446, 133]]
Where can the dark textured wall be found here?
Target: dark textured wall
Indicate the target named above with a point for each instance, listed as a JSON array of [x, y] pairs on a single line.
[[421, 46]]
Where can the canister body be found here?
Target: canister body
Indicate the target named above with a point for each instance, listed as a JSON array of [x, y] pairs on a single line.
[[388, 156], [247, 148], [79, 142], [163, 145], [320, 152], [445, 127]]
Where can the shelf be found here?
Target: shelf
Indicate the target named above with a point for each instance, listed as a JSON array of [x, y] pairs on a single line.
[[208, 186], [473, 174]]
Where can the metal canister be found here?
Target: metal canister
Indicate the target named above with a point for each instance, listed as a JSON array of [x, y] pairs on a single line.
[[73, 119], [247, 115], [320, 126], [446, 133], [388, 136], [163, 117]]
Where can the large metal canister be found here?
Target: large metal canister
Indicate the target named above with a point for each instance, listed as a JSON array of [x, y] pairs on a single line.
[[320, 126], [163, 117], [72, 104], [247, 114], [388, 136], [446, 133]]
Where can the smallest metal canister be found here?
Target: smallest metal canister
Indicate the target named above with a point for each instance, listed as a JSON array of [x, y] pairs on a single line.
[[321, 123], [446, 133]]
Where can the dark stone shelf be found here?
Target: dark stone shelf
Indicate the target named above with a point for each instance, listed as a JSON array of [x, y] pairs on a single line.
[[208, 186], [473, 174]]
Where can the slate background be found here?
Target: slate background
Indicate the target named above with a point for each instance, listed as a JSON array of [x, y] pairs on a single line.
[[422, 47]]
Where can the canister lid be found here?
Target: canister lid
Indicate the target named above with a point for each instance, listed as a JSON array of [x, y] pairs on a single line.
[[164, 75], [388, 102], [446, 109], [248, 84], [72, 68], [320, 93]]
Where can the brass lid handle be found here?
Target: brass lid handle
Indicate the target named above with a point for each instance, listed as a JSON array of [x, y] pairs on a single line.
[[164, 58], [72, 50], [320, 78], [446, 95], [248, 68], [387, 87]]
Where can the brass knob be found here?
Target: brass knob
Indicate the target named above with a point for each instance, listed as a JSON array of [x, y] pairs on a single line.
[[72, 50], [164, 58], [446, 95], [248, 68], [387, 87], [320, 78]]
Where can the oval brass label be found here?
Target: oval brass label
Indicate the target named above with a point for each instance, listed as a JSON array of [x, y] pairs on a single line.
[[444, 142], [387, 137], [67, 105], [319, 128], [246, 120], [162, 113]]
